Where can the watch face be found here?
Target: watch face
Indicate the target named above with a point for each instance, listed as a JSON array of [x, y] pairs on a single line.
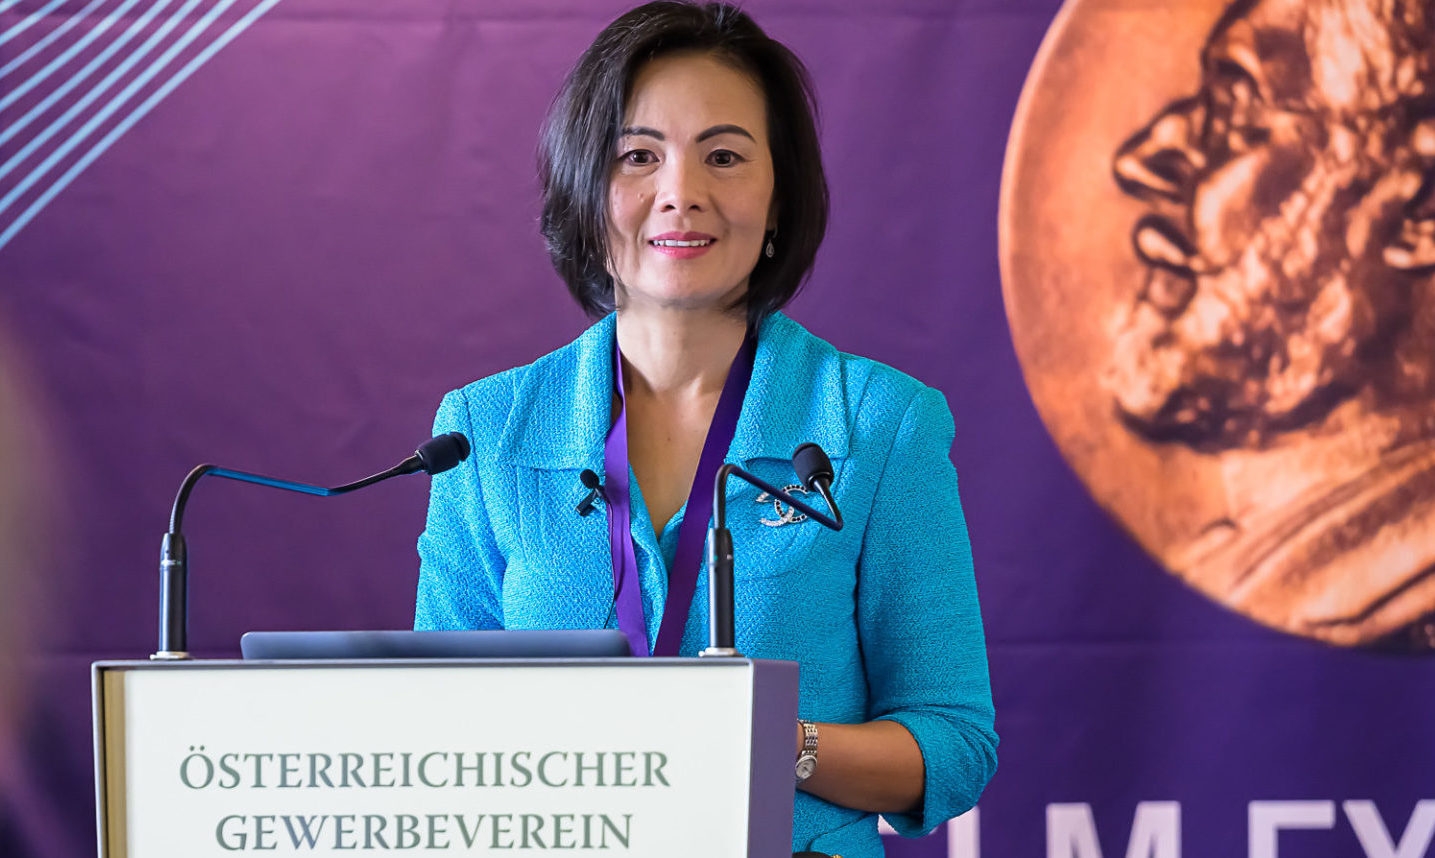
[[806, 765]]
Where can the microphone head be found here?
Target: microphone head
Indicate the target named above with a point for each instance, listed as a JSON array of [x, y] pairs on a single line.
[[811, 464], [590, 479], [440, 453]]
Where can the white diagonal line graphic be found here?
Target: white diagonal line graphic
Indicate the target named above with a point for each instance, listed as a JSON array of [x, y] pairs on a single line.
[[50, 39], [8, 4], [145, 107], [59, 62], [30, 21], [89, 98]]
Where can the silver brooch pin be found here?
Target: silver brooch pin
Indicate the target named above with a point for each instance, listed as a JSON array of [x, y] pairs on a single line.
[[785, 514]]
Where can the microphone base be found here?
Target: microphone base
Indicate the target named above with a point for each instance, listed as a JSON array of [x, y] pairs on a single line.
[[720, 652], [170, 655]]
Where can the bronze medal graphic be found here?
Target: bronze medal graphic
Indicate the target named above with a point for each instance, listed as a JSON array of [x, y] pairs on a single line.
[[1218, 261]]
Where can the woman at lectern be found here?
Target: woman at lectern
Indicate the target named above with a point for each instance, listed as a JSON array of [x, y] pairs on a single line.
[[683, 204]]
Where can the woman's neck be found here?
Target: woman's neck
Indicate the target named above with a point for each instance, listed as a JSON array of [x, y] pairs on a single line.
[[678, 354]]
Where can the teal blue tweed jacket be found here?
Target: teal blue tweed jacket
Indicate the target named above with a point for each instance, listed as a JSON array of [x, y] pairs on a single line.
[[882, 616]]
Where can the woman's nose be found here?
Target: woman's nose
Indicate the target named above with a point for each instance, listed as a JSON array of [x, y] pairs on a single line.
[[1163, 159], [682, 186]]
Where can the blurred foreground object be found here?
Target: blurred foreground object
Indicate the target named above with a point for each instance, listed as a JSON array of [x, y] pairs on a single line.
[[24, 501]]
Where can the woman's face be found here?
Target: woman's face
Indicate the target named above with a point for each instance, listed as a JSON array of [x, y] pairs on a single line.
[[690, 197]]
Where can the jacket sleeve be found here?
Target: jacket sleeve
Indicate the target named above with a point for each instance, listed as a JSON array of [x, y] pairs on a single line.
[[460, 565], [919, 621]]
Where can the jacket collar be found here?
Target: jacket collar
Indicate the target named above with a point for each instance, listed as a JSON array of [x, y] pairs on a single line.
[[562, 406]]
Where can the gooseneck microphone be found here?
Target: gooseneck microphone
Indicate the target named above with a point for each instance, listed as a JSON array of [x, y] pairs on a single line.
[[814, 471], [434, 456]]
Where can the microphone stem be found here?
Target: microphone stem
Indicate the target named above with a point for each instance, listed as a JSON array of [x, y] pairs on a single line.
[[173, 599], [407, 466], [824, 488], [174, 564], [721, 589], [721, 596], [720, 501]]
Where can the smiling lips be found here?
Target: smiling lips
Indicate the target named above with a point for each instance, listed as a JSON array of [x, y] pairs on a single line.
[[682, 245]]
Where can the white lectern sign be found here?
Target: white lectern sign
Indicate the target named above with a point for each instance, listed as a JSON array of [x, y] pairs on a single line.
[[649, 757]]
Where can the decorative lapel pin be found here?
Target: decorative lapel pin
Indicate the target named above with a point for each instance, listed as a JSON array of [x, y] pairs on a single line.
[[785, 514]]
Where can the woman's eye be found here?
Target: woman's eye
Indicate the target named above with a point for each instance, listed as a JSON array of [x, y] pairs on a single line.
[[638, 157], [723, 158]]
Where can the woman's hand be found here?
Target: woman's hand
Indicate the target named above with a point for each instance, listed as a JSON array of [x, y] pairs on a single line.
[[876, 766]]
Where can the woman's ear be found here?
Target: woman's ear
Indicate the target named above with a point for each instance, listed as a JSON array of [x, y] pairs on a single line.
[[1414, 247]]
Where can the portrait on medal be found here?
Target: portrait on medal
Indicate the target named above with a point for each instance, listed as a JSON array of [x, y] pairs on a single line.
[[1218, 259]]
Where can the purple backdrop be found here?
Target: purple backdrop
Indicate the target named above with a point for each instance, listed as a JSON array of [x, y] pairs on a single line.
[[331, 220]]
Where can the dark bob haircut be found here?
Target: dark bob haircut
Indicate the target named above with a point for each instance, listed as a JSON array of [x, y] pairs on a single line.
[[581, 135]]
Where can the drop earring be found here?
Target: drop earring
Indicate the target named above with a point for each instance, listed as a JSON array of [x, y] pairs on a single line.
[[770, 251]]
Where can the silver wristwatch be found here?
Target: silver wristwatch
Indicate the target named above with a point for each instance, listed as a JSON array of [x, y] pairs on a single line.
[[807, 757]]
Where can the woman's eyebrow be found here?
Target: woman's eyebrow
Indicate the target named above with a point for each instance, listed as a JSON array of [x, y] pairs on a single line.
[[644, 131], [726, 129]]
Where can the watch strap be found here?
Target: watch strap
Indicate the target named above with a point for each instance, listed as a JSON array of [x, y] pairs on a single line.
[[807, 757]]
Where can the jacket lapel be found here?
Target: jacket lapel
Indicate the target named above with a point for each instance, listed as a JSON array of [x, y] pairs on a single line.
[[563, 406], [798, 394]]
